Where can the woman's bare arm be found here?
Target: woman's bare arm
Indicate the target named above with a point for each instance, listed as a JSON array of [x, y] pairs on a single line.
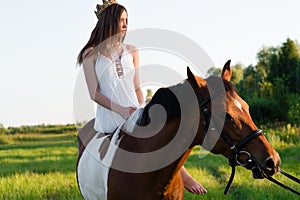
[[93, 85], [136, 79]]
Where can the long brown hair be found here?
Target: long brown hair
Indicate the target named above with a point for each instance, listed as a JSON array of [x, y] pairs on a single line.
[[106, 27]]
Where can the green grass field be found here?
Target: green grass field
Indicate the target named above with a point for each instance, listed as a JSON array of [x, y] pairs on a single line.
[[42, 166]]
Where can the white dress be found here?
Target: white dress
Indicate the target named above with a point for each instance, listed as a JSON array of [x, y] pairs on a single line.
[[118, 90]]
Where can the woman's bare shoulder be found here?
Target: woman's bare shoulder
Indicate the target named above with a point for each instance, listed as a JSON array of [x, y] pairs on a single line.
[[131, 48], [89, 54]]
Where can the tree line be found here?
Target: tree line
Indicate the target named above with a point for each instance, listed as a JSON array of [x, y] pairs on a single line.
[[45, 129], [272, 86]]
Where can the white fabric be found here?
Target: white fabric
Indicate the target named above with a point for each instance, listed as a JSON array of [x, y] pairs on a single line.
[[118, 90], [92, 172]]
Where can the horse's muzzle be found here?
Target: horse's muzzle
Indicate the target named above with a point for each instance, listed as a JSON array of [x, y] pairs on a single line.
[[268, 169]]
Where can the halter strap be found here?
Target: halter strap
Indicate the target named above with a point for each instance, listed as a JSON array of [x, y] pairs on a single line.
[[254, 134], [235, 149]]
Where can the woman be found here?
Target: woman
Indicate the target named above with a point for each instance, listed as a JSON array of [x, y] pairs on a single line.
[[111, 72]]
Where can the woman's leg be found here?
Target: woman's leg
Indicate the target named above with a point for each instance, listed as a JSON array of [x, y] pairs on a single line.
[[191, 184]]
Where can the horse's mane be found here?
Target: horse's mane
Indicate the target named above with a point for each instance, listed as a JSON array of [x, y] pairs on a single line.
[[166, 98], [229, 87]]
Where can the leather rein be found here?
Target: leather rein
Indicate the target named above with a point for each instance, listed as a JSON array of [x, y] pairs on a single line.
[[236, 151]]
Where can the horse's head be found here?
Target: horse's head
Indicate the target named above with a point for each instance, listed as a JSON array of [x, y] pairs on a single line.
[[238, 138]]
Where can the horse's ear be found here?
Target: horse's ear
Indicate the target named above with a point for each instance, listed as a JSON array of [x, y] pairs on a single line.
[[191, 77], [226, 72], [195, 81]]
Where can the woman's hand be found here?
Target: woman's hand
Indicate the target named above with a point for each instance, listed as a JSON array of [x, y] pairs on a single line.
[[125, 112]]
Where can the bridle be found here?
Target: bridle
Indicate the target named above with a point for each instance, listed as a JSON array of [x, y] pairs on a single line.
[[236, 151]]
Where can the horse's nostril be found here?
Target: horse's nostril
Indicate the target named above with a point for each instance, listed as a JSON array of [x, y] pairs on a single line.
[[270, 164]]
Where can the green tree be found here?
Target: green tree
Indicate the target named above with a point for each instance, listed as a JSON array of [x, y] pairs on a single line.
[[298, 78], [2, 129], [237, 73], [265, 58], [214, 71], [286, 64], [248, 86], [293, 115]]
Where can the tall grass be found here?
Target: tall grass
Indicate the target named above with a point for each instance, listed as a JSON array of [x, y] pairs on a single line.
[[213, 173], [32, 185], [38, 166], [42, 166], [281, 135]]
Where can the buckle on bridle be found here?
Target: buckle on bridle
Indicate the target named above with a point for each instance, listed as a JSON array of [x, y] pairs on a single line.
[[239, 161]]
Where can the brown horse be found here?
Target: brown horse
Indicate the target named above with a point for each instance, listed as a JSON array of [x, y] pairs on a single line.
[[143, 157]]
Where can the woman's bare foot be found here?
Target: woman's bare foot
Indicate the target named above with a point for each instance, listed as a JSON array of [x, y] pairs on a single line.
[[191, 184]]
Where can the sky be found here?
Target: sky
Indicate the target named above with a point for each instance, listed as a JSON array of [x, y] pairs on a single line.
[[40, 42]]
